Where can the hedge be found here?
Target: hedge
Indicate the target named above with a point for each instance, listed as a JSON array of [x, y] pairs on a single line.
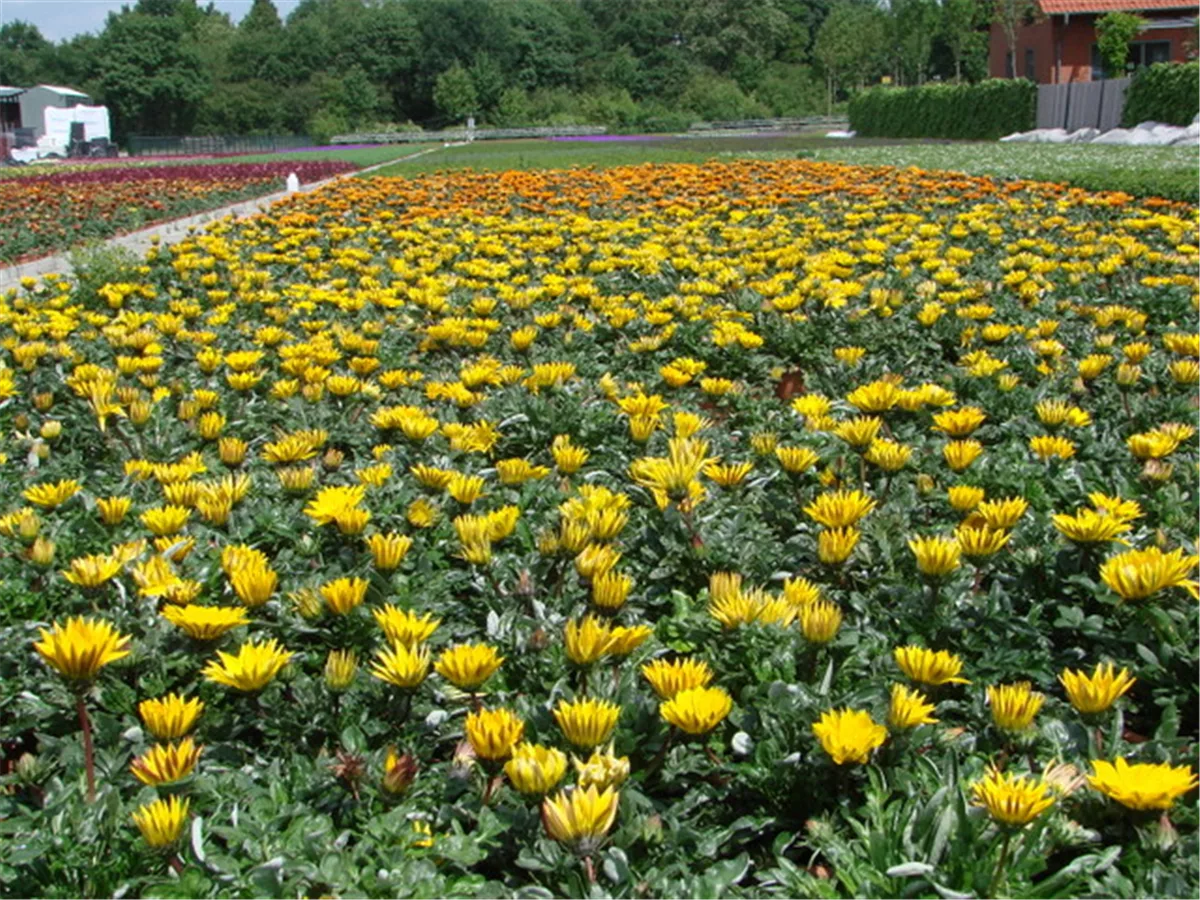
[[983, 111], [1164, 92]]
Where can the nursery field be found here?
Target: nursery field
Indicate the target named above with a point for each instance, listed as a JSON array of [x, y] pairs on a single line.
[[745, 529]]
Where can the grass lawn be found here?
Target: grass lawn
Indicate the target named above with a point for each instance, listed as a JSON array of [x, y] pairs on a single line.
[[1142, 171]]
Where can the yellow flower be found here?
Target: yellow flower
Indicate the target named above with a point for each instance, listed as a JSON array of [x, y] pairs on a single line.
[[253, 583], [340, 668], [878, 396], [567, 457], [534, 769], [860, 431], [1012, 800], [964, 498], [1045, 447], [669, 678], [610, 590], [587, 640], [580, 816], [51, 495], [937, 556], [493, 733], [161, 822], [1003, 514], [421, 513], [697, 710], [888, 455], [388, 550], [170, 717], [959, 423], [834, 545], [928, 666], [909, 708], [164, 521], [729, 475], [627, 639], [92, 571], [1142, 785], [252, 669], [466, 489], [205, 623], [820, 621], [960, 454], [79, 649], [839, 509], [405, 667], [603, 769], [1117, 507], [467, 666], [113, 509], [849, 735], [1014, 705], [1089, 527], [344, 594], [1138, 574], [332, 502], [402, 626], [166, 763], [586, 722], [796, 459], [976, 543], [1097, 692]]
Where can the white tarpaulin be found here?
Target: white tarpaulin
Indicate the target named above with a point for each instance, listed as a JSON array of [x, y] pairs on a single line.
[[94, 119]]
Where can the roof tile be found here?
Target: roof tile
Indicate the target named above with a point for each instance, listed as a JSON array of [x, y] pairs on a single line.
[[1060, 7]]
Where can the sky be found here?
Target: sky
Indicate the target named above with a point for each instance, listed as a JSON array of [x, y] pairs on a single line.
[[59, 19]]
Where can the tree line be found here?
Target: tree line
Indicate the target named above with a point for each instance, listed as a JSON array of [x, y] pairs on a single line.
[[179, 67]]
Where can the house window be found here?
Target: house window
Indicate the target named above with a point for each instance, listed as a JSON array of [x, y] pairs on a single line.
[[1029, 73], [1141, 54]]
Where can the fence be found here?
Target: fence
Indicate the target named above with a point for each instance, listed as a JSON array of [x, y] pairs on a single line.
[[1082, 104], [213, 145]]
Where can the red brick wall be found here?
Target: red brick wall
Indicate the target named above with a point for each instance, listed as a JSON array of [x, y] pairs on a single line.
[[1039, 37]]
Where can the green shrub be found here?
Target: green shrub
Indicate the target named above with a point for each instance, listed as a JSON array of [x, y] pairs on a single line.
[[983, 111], [1164, 92]]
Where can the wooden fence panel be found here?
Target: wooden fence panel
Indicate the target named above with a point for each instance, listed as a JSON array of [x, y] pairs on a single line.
[[1082, 104]]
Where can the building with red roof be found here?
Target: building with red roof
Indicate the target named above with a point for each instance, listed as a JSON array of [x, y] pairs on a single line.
[[1057, 44]]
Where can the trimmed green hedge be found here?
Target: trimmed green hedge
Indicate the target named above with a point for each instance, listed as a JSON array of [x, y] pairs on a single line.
[[1164, 92], [983, 111]]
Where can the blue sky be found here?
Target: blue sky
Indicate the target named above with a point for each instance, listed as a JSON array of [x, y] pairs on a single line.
[[59, 19]]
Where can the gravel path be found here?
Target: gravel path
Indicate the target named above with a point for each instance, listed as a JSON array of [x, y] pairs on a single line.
[[177, 229]]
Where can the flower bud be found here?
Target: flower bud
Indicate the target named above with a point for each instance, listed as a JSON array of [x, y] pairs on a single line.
[[51, 429], [42, 552], [398, 771]]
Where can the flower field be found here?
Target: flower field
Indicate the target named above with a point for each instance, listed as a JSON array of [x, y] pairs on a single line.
[[45, 211], [772, 529]]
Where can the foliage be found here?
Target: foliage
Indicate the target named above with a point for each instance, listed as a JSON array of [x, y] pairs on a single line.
[[1114, 31], [764, 306], [455, 94], [981, 111], [1163, 92]]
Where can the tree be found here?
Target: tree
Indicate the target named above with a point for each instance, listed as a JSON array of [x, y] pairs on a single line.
[[915, 24], [1114, 32], [22, 53], [960, 28], [454, 94], [1010, 15], [852, 41]]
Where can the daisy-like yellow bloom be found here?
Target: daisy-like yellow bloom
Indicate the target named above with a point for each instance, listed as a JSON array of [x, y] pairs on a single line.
[[937, 556], [697, 710], [849, 735], [587, 722], [466, 489], [51, 495], [205, 623], [405, 667], [669, 678], [929, 666], [162, 821], [1014, 706], [1138, 574], [1003, 514], [79, 649], [341, 666], [251, 669], [730, 474], [403, 626], [333, 502], [1142, 785], [1046, 447], [1152, 444], [113, 509], [610, 590], [254, 583], [344, 594], [166, 763], [603, 769], [534, 769], [820, 621], [1117, 507], [493, 733], [888, 455], [796, 460], [959, 423], [960, 454], [909, 708], [581, 817], [1095, 693], [860, 431], [878, 396], [626, 639], [92, 571], [421, 513], [587, 640], [800, 591], [163, 521], [834, 545], [1088, 526], [964, 498], [976, 543], [467, 666], [567, 457], [170, 717], [1013, 800], [839, 509], [388, 550]]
